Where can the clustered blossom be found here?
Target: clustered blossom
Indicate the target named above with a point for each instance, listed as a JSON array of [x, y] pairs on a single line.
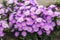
[[29, 17], [3, 11], [3, 25]]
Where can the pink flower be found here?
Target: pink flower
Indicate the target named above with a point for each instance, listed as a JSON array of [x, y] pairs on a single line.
[[58, 22], [29, 29], [24, 33], [57, 13], [39, 19], [10, 1], [27, 2], [48, 32], [36, 29], [16, 34], [39, 32], [26, 12]]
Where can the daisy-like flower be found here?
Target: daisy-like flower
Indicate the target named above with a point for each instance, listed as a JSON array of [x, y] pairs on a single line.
[[26, 12], [27, 2], [21, 19], [53, 6], [2, 11], [39, 19], [36, 29], [29, 29], [10, 1], [1, 28], [24, 33], [25, 27], [58, 22], [50, 12], [1, 5], [4, 24], [22, 7], [38, 11], [16, 34], [34, 2], [48, 32], [30, 22], [33, 9], [48, 27], [39, 32], [33, 16], [57, 13], [1, 34]]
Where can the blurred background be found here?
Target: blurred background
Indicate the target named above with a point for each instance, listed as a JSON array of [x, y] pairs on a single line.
[[41, 2]]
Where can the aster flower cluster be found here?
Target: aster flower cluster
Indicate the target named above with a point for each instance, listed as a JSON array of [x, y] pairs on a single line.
[[3, 21], [29, 17], [3, 25], [3, 11]]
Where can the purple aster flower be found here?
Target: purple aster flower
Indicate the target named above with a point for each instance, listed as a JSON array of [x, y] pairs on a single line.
[[30, 22], [38, 11], [16, 34], [24, 27], [41, 7], [58, 22], [49, 12], [53, 24], [1, 5], [33, 9], [10, 1], [42, 24], [53, 6], [1, 34], [4, 24], [11, 17], [23, 23], [16, 8], [21, 19], [2, 11], [36, 29], [22, 7], [58, 16], [48, 18], [20, 29], [27, 2], [29, 29], [48, 32], [1, 29], [48, 27], [39, 19], [39, 32], [33, 16], [26, 12], [38, 24], [24, 33], [57, 13], [34, 2], [18, 24]]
